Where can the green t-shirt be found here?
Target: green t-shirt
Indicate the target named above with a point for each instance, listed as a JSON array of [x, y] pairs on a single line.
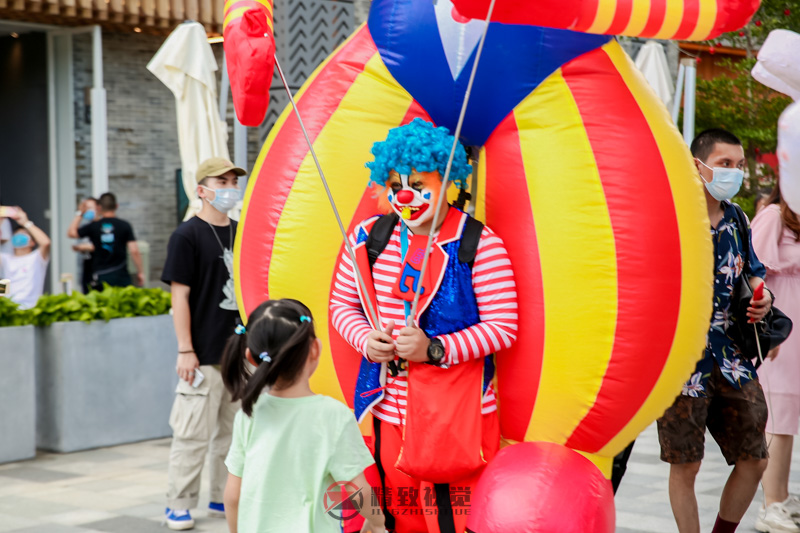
[[287, 454]]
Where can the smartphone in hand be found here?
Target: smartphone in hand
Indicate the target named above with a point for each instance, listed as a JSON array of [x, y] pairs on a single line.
[[7, 212], [198, 378]]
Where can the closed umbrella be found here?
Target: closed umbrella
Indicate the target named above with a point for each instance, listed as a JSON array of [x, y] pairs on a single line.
[[652, 62], [186, 65]]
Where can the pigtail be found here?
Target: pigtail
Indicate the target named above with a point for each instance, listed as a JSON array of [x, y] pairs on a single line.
[[279, 335], [285, 363], [232, 366]]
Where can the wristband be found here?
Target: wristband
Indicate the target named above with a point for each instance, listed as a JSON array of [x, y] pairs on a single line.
[[28, 224], [185, 351], [78, 213]]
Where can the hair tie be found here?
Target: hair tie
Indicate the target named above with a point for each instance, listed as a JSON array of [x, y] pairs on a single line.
[[305, 318], [264, 356], [240, 330]]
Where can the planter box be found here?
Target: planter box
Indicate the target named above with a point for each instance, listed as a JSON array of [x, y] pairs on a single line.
[[104, 383], [17, 394]]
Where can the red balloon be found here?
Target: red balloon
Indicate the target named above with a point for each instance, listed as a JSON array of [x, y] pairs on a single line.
[[250, 56], [541, 487]]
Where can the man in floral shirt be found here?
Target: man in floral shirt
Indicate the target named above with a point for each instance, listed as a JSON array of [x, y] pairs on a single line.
[[723, 393]]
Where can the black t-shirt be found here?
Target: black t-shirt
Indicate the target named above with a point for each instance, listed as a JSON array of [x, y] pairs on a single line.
[[195, 258], [110, 237]]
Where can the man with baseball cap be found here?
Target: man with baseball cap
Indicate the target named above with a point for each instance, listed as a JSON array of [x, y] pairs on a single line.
[[199, 270]]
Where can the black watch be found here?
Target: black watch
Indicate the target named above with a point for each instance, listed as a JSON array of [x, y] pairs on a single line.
[[435, 351]]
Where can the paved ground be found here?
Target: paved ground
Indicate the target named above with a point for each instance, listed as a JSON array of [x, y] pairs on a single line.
[[643, 501], [121, 490]]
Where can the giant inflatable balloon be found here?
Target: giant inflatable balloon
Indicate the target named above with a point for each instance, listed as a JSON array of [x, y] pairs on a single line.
[[686, 20], [777, 68], [789, 155], [580, 171]]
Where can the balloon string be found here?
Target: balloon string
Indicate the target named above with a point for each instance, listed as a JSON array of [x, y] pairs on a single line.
[[372, 314], [446, 178]]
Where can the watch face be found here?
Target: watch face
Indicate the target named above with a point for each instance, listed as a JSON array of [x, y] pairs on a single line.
[[436, 351]]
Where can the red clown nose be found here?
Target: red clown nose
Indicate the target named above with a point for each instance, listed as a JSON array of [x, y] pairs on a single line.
[[405, 197]]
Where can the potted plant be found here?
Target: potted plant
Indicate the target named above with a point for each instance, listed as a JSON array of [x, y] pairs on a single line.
[[17, 385], [105, 368]]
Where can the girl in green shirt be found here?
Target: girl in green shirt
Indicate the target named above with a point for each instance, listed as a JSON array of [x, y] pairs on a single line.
[[294, 453]]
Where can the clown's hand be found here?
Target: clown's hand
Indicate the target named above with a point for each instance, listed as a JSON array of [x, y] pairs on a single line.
[[412, 343], [380, 345]]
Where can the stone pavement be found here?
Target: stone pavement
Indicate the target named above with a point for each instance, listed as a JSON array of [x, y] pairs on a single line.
[[121, 490], [643, 502]]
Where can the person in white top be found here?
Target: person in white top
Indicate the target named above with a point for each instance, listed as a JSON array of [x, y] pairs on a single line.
[[26, 267], [5, 236]]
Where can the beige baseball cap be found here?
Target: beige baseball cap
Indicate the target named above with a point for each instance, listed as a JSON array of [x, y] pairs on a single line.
[[217, 166]]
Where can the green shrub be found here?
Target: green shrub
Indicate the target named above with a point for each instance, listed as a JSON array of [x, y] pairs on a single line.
[[11, 314], [111, 302]]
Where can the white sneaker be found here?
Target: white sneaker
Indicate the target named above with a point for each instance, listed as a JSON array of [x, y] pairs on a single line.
[[792, 506], [775, 519]]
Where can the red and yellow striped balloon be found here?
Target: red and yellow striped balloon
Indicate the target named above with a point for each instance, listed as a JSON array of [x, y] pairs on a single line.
[[688, 20], [594, 193], [234, 9]]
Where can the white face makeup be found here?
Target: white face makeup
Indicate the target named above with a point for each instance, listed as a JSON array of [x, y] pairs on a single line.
[[414, 196]]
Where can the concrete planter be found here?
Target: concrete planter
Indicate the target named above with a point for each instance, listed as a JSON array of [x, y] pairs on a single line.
[[104, 383], [17, 394]]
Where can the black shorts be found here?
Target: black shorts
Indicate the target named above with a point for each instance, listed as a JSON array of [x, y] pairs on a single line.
[[736, 418]]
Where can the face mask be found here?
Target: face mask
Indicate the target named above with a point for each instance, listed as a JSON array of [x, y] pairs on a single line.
[[224, 199], [89, 215], [20, 240], [725, 182]]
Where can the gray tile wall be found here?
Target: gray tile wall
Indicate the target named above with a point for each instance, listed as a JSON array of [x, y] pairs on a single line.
[[143, 149], [143, 152]]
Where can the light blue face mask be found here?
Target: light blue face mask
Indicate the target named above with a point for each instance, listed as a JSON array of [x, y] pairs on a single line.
[[224, 199], [89, 215], [725, 182], [20, 240]]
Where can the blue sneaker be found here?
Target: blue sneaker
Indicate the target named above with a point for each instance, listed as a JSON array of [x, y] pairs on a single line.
[[179, 519], [216, 510]]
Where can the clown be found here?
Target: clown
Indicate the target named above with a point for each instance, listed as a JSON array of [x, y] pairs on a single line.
[[426, 379]]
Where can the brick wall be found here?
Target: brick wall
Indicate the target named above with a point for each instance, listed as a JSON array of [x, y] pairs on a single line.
[[143, 151], [142, 137]]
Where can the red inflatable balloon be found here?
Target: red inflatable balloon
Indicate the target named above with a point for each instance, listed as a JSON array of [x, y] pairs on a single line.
[[541, 487], [250, 56]]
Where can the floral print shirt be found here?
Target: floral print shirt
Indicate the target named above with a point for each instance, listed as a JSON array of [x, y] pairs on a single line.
[[731, 261]]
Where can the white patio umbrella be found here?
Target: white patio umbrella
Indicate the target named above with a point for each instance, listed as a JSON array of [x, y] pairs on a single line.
[[186, 65], [652, 62]]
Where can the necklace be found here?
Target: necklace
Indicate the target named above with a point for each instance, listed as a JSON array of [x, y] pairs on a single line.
[[230, 231]]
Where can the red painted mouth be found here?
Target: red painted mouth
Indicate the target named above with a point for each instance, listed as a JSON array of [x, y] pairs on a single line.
[[416, 212]]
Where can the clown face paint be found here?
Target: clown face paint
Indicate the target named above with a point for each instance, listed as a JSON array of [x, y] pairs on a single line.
[[414, 197]]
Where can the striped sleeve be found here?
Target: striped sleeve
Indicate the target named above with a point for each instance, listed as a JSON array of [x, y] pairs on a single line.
[[347, 314], [496, 292]]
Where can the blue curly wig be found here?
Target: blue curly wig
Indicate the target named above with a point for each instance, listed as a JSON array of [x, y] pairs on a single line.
[[419, 146]]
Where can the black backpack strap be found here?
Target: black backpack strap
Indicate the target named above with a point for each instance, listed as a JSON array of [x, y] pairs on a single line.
[[741, 221], [470, 238], [379, 236], [382, 229]]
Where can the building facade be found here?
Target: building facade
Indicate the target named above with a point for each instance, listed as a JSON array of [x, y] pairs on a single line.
[[81, 115]]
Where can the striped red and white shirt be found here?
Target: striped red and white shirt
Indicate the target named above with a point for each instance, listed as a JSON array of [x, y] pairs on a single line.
[[496, 294]]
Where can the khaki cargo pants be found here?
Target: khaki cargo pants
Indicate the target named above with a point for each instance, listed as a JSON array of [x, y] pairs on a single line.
[[202, 422]]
